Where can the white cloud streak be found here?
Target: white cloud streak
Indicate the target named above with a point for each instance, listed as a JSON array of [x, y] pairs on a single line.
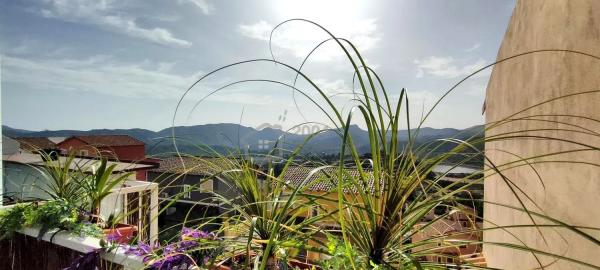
[[101, 74], [203, 5], [473, 48], [332, 87], [301, 38], [101, 14], [445, 67]]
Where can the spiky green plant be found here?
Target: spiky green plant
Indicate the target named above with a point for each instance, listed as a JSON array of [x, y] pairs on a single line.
[[101, 183], [392, 202], [266, 212], [62, 177]]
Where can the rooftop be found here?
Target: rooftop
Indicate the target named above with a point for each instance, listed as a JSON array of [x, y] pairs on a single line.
[[193, 165], [107, 140], [35, 143], [36, 160], [318, 180]]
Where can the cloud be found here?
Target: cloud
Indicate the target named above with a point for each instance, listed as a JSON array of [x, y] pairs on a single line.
[[94, 74], [260, 30], [243, 98], [476, 89], [419, 103], [474, 47], [332, 87], [300, 38], [102, 74], [421, 98], [206, 7], [446, 67], [103, 15]]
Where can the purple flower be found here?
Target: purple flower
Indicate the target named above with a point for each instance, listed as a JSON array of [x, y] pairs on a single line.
[[173, 254], [113, 236], [141, 249], [187, 245], [171, 248], [169, 261], [188, 234]]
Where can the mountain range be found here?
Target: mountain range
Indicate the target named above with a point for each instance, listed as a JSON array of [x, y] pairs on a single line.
[[226, 137]]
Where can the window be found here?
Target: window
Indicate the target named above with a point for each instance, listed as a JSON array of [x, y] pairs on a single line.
[[187, 192], [83, 152]]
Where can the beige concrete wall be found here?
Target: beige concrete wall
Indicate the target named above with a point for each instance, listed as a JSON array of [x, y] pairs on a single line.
[[572, 191]]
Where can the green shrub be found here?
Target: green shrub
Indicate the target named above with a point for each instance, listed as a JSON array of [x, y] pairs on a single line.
[[56, 214], [12, 220], [339, 258]]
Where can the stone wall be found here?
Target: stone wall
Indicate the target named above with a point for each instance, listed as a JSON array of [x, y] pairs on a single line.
[[569, 191]]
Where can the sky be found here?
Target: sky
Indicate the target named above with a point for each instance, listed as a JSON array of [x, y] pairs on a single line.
[[86, 64]]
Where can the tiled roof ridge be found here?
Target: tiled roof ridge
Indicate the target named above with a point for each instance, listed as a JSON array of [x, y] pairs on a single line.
[[104, 140]]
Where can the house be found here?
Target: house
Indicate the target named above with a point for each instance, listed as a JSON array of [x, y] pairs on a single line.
[[115, 147], [457, 226], [120, 147], [449, 231], [34, 144], [184, 184], [319, 183], [23, 180]]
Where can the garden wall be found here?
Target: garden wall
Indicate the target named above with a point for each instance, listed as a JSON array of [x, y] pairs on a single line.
[[23, 252], [570, 190]]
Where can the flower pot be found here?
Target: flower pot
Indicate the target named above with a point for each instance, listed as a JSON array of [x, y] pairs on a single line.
[[120, 233]]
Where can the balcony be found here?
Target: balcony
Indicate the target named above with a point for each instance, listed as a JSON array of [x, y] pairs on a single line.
[[137, 200]]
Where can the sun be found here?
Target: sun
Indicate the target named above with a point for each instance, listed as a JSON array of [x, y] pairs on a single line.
[[329, 12]]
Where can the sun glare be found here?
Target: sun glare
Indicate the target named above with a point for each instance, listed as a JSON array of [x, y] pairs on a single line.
[[333, 12]]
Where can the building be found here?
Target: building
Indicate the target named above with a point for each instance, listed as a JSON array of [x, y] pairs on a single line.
[[23, 180], [34, 144], [120, 147], [115, 147], [456, 227], [319, 184], [184, 184], [569, 188]]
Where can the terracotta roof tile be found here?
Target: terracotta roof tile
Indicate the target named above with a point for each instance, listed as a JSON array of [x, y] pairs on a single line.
[[109, 140], [320, 181], [194, 165], [35, 143]]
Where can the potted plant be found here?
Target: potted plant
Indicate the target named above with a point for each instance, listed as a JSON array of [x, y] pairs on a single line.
[[98, 186], [118, 232]]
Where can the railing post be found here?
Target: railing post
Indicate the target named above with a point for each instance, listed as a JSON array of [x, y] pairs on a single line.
[[154, 214]]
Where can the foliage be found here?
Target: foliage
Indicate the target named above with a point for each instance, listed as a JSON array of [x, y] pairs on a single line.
[[12, 220], [394, 195], [56, 214], [100, 184], [379, 211], [62, 176], [337, 256], [265, 211], [195, 247], [60, 214]]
